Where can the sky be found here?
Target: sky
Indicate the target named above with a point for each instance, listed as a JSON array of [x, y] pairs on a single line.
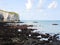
[[33, 9]]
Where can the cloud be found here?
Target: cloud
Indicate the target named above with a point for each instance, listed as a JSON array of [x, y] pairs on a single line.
[[52, 5], [28, 4], [40, 4]]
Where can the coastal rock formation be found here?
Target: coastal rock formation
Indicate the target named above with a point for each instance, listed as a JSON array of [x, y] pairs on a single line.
[[8, 16]]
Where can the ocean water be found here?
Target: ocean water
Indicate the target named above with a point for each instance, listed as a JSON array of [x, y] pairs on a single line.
[[44, 26]]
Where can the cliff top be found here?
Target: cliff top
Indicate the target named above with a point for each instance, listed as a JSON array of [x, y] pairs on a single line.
[[9, 12]]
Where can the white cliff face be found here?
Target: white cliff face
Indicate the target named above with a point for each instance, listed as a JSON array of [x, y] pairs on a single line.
[[5, 14], [12, 17], [8, 16]]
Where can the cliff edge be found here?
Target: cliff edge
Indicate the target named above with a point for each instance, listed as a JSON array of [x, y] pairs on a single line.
[[6, 16]]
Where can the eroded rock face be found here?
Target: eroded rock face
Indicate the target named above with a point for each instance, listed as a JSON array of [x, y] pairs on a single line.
[[8, 16], [1, 17]]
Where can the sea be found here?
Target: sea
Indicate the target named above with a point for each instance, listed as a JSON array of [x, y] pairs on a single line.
[[44, 26]]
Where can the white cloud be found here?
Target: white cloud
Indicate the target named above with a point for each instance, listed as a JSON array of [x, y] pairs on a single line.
[[52, 5], [40, 3], [28, 4]]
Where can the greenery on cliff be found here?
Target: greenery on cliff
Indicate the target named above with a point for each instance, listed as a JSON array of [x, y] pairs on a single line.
[[8, 16], [9, 12], [13, 13]]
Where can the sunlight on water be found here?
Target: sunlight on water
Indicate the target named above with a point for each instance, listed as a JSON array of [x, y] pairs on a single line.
[[45, 26]]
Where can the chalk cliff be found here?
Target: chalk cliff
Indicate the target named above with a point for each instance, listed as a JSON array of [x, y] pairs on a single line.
[[9, 16]]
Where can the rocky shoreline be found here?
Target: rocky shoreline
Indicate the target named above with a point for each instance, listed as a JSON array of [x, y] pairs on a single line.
[[22, 35]]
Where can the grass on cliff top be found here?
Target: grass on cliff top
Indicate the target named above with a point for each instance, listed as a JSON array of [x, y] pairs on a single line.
[[10, 12], [3, 11], [13, 13]]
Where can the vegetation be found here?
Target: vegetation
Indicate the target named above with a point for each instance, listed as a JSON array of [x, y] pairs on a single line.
[[14, 13], [3, 11], [10, 12]]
